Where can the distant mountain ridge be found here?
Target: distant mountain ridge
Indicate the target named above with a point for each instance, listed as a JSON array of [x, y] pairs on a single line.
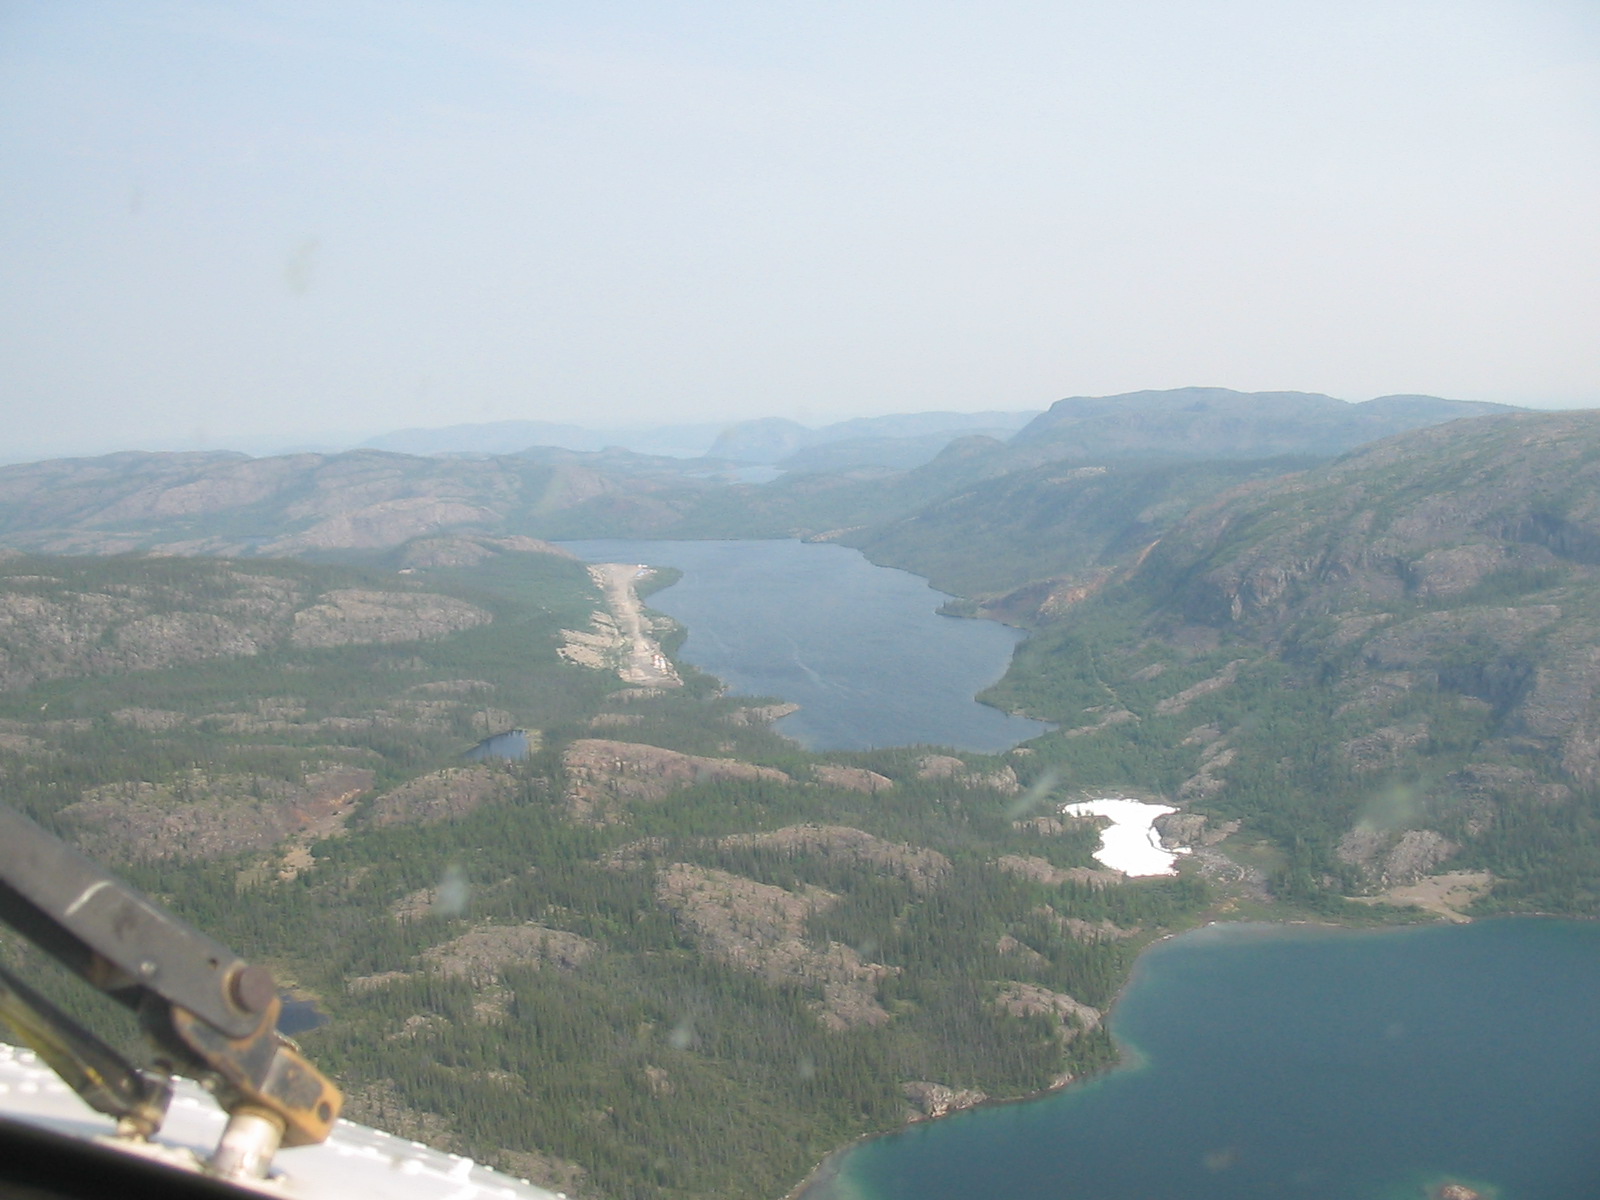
[[512, 437], [489, 437], [771, 440], [763, 441], [1198, 422], [976, 488]]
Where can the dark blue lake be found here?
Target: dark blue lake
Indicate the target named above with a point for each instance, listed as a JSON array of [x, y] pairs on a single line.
[[862, 649], [512, 744], [1280, 1063]]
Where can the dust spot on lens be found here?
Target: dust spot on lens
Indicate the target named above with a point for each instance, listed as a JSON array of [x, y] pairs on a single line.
[[1219, 1160], [454, 892]]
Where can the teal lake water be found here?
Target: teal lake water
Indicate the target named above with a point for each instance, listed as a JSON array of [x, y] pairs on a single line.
[[1302, 1064], [1273, 1063], [862, 649]]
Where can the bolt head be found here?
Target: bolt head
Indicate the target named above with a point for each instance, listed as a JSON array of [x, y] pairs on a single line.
[[252, 988]]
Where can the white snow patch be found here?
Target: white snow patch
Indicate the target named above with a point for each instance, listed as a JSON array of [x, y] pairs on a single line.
[[1130, 844]]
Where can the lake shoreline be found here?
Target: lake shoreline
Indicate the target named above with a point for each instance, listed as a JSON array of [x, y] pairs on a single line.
[[1128, 1057], [827, 1169], [786, 618]]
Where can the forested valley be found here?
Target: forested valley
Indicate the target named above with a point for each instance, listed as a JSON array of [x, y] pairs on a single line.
[[698, 992], [670, 953]]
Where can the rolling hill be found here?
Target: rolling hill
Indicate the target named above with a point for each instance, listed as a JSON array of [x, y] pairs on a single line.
[[1388, 663]]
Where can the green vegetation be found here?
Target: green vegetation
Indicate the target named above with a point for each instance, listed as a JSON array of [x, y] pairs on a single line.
[[1000, 534], [1383, 666], [676, 977], [285, 706], [646, 1054]]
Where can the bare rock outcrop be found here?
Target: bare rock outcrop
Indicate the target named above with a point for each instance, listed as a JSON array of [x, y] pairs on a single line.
[[1008, 945], [761, 929], [1040, 870], [604, 776], [151, 720], [1492, 527], [386, 523], [346, 616], [139, 616], [1191, 829], [940, 766], [14, 741], [1422, 639], [1180, 702], [609, 720], [946, 766], [1448, 571], [1002, 779], [1029, 999], [1389, 859], [78, 633], [1386, 746], [1215, 757], [855, 779], [1105, 716], [481, 955], [197, 816], [924, 869], [1085, 931], [761, 714], [930, 1101], [1416, 854], [441, 796], [1095, 931], [192, 504]]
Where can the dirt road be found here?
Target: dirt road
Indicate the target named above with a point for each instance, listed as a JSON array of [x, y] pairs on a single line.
[[643, 663]]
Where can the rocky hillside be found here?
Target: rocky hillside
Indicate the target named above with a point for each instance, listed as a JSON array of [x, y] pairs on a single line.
[[860, 476], [666, 920], [1463, 560], [1373, 677], [776, 440], [298, 504], [1390, 662], [1432, 518], [1020, 541], [66, 617], [1202, 423]]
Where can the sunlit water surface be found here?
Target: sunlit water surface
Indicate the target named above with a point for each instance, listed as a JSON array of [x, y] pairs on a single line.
[[862, 649], [1294, 1063]]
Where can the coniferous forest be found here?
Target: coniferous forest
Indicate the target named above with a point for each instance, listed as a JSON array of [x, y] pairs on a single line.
[[571, 998], [672, 954]]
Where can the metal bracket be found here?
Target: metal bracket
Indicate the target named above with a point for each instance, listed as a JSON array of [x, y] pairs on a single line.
[[211, 1013]]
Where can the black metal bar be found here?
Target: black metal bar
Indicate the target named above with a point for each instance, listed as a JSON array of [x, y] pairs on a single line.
[[108, 933], [107, 1082]]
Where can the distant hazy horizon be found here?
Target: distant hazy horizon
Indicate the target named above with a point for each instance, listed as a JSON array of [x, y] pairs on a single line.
[[631, 436], [236, 223]]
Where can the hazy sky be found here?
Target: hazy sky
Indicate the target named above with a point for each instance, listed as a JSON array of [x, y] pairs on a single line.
[[230, 219]]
